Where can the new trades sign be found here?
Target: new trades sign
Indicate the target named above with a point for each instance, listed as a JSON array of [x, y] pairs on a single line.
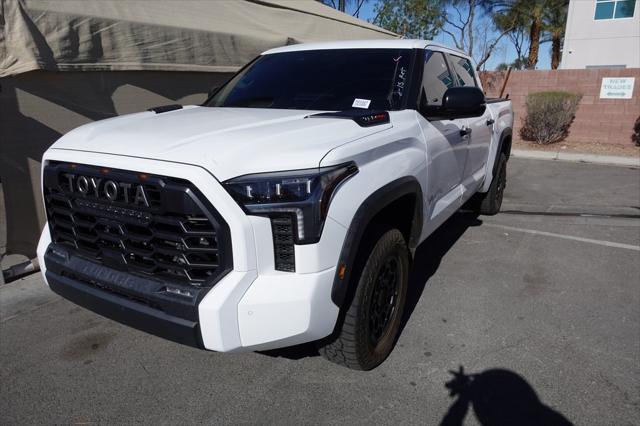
[[617, 88]]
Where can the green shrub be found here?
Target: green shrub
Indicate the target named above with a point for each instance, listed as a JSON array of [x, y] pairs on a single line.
[[635, 137], [549, 116]]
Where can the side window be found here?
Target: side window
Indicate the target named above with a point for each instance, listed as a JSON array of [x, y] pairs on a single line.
[[436, 78], [463, 70]]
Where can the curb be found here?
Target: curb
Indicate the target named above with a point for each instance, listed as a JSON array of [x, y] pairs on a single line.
[[615, 160]]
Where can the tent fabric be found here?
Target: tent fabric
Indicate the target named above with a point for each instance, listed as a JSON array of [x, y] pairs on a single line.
[[173, 35]]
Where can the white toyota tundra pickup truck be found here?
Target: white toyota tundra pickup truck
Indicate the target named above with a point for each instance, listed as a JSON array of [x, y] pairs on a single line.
[[285, 209]]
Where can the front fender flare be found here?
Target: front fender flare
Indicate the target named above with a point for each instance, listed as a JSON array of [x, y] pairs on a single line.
[[371, 206]]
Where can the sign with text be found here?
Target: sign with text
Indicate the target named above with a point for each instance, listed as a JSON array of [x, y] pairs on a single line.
[[617, 88]]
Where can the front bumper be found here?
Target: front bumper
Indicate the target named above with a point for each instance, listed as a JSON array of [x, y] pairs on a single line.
[[253, 307], [123, 310]]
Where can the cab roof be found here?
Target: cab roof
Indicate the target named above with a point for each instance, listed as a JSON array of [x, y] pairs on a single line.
[[362, 44]]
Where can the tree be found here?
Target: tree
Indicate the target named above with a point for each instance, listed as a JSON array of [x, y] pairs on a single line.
[[472, 27], [523, 15], [507, 19], [517, 64], [341, 5], [410, 18], [510, 16], [462, 22], [555, 20], [517, 37], [537, 10], [487, 40]]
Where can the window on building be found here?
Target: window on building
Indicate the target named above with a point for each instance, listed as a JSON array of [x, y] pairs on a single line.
[[614, 9]]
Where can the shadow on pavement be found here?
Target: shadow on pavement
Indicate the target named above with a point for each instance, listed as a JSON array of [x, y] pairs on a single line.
[[306, 350], [430, 253], [498, 397]]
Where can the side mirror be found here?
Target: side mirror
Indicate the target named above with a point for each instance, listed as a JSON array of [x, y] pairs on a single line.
[[212, 91], [460, 102]]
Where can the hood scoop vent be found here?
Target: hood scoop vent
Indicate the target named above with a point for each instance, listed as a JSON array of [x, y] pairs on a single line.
[[165, 108], [366, 118]]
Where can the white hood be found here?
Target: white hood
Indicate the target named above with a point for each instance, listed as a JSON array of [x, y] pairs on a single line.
[[228, 142]]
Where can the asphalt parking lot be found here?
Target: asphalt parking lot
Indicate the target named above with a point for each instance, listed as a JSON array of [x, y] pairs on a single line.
[[541, 301]]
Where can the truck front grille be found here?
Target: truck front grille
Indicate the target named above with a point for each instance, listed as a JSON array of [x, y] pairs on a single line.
[[143, 224]]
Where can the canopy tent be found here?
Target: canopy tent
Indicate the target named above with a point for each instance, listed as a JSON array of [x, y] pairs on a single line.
[[212, 36], [64, 63]]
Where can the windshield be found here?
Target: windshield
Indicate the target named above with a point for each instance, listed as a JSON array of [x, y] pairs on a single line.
[[326, 80]]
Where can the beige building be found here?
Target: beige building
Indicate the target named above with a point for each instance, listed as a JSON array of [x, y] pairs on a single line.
[[602, 34]]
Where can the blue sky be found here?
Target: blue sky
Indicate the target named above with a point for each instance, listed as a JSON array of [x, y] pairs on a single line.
[[503, 53]]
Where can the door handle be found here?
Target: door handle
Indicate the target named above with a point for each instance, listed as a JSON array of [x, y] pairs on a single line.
[[465, 131], [490, 122]]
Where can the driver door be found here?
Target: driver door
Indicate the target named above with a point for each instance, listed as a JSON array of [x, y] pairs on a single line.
[[481, 128], [446, 142]]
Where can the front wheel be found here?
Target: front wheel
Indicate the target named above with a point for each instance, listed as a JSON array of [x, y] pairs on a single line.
[[372, 321]]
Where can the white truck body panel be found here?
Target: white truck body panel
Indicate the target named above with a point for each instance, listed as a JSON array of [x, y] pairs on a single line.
[[229, 142], [254, 306]]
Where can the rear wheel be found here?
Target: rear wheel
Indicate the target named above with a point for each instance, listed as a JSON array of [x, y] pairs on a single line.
[[490, 202], [372, 321]]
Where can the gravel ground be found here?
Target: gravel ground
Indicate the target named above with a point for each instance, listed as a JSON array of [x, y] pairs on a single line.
[[599, 148]]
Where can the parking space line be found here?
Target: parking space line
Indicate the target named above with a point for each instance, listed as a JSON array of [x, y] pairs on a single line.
[[565, 237]]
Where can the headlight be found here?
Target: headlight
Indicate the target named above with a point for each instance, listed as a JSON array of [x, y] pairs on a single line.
[[303, 195]]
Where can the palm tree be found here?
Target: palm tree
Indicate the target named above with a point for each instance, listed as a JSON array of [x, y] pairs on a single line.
[[523, 15], [555, 20], [537, 10], [538, 18]]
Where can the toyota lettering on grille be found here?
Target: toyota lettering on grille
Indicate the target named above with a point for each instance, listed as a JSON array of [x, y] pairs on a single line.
[[108, 189]]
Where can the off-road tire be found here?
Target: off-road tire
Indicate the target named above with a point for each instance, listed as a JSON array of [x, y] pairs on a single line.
[[490, 202], [354, 345]]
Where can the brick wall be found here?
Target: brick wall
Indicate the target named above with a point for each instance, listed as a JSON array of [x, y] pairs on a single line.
[[597, 120]]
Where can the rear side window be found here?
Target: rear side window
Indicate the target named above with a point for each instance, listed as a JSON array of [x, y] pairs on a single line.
[[463, 70], [436, 78]]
